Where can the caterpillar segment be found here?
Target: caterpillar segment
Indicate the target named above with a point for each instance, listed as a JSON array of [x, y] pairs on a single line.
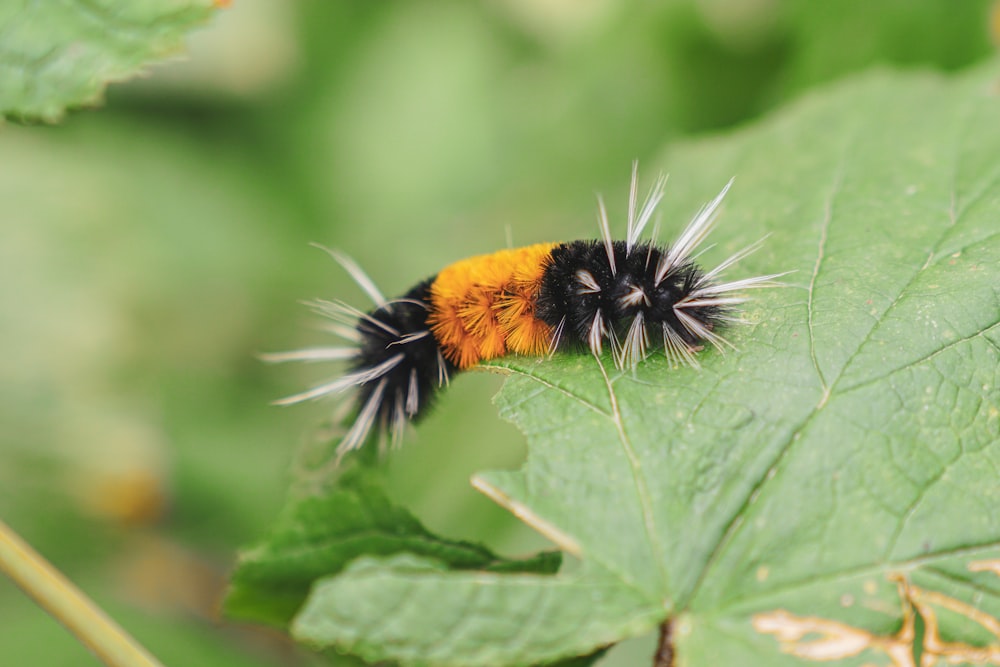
[[630, 295], [484, 307]]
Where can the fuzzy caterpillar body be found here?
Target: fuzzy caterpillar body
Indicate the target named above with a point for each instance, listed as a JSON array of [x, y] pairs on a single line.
[[532, 300]]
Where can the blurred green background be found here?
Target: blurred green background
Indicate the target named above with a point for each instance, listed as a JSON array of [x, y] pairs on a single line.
[[149, 249]]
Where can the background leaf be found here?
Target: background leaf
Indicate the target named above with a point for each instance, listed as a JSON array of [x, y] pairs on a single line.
[[56, 55], [853, 437], [318, 535]]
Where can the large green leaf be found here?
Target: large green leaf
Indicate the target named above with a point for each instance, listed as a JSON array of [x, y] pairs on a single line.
[[55, 55], [803, 498]]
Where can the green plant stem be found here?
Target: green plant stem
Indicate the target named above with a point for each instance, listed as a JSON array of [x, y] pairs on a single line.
[[64, 601]]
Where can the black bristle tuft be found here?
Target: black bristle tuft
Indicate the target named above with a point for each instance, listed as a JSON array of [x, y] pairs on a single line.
[[563, 297], [421, 356]]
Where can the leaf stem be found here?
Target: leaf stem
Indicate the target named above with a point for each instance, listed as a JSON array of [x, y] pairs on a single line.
[[67, 604], [664, 656]]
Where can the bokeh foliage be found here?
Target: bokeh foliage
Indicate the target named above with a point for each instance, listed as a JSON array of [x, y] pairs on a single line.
[[149, 249]]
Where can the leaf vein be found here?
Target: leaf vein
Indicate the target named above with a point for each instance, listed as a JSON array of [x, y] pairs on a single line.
[[820, 253], [953, 217], [858, 571], [736, 520], [927, 357], [576, 397], [642, 490]]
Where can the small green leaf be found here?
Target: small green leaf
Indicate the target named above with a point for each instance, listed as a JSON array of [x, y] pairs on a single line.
[[319, 535], [798, 497], [55, 55]]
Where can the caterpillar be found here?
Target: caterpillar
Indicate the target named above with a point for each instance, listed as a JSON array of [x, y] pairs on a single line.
[[535, 300]]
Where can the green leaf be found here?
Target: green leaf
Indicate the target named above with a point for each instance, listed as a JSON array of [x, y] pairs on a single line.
[[56, 55], [318, 535], [807, 496], [415, 612]]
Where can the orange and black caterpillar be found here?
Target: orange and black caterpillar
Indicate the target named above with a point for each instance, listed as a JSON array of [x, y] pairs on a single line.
[[532, 300]]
